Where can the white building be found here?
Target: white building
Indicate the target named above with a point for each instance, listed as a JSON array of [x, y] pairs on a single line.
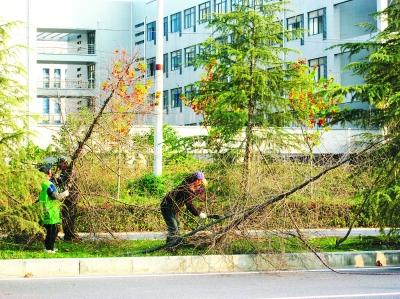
[[326, 23], [71, 42], [69, 47]]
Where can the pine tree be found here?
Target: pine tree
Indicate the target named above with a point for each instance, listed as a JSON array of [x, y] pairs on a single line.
[[380, 69], [245, 75]]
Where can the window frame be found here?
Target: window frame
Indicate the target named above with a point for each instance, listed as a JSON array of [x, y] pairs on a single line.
[[189, 17], [321, 62], [193, 51], [151, 67], [204, 12], [220, 4], [176, 102], [176, 22], [298, 20], [151, 31], [317, 22], [176, 55]]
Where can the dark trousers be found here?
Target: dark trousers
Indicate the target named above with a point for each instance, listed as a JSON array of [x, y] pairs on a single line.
[[51, 235], [172, 223]]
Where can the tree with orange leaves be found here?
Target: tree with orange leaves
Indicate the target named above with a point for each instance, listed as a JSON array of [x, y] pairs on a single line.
[[122, 96]]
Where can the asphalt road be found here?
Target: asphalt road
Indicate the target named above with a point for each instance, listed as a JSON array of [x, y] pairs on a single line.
[[319, 284]]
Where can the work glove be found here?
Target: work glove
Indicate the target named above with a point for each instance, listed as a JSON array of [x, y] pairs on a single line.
[[203, 215], [64, 194]]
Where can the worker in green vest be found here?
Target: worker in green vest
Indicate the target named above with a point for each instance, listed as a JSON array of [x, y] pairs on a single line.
[[50, 201]]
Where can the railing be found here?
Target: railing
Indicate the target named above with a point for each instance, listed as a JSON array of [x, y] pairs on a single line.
[[67, 84], [68, 49], [51, 119]]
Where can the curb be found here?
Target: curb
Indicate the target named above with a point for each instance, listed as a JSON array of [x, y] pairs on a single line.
[[75, 267]]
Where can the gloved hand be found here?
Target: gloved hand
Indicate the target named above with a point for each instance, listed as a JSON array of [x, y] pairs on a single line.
[[203, 215], [64, 194]]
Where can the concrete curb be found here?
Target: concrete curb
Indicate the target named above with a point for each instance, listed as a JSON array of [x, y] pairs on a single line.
[[192, 264]]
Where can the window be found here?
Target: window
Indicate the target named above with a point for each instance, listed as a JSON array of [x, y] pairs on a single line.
[[151, 31], [165, 64], [190, 54], [204, 12], [189, 91], [166, 27], [151, 67], [176, 22], [57, 78], [316, 22], [91, 75], [176, 60], [189, 16], [46, 106], [293, 24], [91, 39], [166, 100], [176, 98], [220, 6], [57, 106], [46, 77], [319, 66]]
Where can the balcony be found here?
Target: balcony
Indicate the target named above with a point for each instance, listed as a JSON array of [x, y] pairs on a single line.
[[66, 46], [69, 88]]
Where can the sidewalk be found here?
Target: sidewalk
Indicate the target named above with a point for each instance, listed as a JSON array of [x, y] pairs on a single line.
[[340, 232], [200, 264], [193, 264]]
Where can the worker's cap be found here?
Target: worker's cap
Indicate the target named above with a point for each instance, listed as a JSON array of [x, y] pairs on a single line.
[[45, 168], [62, 159], [200, 176]]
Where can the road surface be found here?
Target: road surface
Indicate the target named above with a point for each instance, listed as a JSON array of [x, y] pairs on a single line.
[[370, 283]]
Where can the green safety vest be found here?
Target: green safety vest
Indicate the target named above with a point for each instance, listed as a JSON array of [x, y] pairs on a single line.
[[51, 208]]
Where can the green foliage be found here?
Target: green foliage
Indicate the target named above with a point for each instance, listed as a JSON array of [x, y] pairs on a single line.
[[175, 149], [380, 69], [148, 184], [12, 92], [245, 75]]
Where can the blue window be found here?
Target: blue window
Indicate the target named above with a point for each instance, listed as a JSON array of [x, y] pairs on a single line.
[[176, 97], [151, 31], [176, 22], [165, 64], [189, 91], [166, 100], [190, 54], [204, 12], [189, 16], [317, 22], [319, 65], [166, 27], [176, 60], [151, 67], [294, 24], [220, 6], [57, 107], [46, 106]]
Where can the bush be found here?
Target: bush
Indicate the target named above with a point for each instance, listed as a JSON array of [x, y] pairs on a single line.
[[148, 185]]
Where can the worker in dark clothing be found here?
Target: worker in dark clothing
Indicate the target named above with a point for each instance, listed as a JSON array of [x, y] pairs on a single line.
[[182, 195]]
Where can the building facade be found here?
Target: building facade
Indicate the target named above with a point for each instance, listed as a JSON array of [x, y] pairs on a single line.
[[70, 44]]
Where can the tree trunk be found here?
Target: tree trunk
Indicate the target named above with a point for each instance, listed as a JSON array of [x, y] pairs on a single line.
[[69, 213]]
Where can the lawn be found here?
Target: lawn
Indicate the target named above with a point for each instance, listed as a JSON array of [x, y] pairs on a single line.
[[126, 248]]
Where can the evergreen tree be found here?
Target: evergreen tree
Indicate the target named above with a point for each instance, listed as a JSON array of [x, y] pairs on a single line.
[[380, 69], [245, 79]]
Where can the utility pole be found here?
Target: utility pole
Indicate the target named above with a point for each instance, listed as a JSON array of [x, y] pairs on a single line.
[[158, 130]]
